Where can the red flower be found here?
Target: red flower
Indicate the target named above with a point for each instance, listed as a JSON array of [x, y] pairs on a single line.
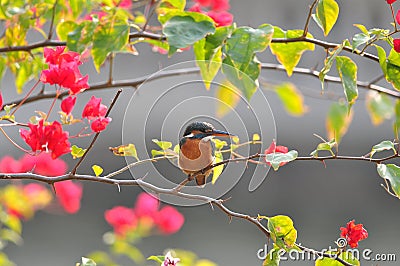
[[67, 105], [63, 70], [276, 149], [220, 5], [146, 205], [169, 220], [204, 3], [9, 165], [100, 124], [47, 138], [94, 109], [122, 219], [125, 4], [43, 164], [390, 1], [396, 44], [69, 195], [1, 101], [221, 18], [353, 233]]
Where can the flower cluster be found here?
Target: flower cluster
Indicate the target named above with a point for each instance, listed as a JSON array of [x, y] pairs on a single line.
[[47, 137], [63, 70], [95, 112], [147, 214], [217, 10], [353, 233], [276, 149], [20, 199]]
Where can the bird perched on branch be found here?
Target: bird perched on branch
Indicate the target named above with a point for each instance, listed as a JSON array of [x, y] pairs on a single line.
[[197, 150]]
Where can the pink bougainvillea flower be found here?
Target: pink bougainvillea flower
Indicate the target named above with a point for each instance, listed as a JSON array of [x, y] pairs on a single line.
[[169, 260], [220, 5], [94, 109], [169, 220], [69, 195], [276, 149], [196, 8], [99, 14], [396, 44], [49, 137], [67, 105], [63, 70], [100, 124], [221, 18], [353, 233], [390, 1], [1, 101], [37, 195], [43, 164], [9, 165], [122, 219], [146, 206], [125, 4], [204, 3]]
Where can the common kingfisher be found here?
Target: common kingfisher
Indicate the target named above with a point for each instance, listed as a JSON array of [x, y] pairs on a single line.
[[197, 149]]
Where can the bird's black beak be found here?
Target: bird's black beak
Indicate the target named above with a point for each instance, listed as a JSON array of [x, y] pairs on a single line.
[[220, 133]]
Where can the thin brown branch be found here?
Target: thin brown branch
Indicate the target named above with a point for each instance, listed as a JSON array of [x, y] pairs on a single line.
[[50, 35], [394, 18], [114, 100], [305, 31], [322, 254]]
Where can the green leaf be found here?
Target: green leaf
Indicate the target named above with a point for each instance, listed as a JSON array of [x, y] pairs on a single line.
[[217, 171], [11, 236], [246, 82], [228, 97], [97, 170], [155, 153], [77, 152], [327, 13], [291, 98], [245, 42], [289, 54], [396, 124], [384, 145], [183, 31], [5, 261], [159, 259], [345, 255], [256, 137], [219, 144], [14, 223], [382, 58], [277, 158], [273, 257], [360, 39], [125, 150], [111, 37], [87, 262], [64, 28], [324, 146], [132, 252], [329, 61], [347, 70], [379, 106], [163, 144], [391, 172], [209, 63], [393, 75], [338, 121], [282, 231]]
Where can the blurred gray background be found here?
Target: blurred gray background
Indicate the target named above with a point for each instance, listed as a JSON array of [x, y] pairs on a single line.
[[318, 199]]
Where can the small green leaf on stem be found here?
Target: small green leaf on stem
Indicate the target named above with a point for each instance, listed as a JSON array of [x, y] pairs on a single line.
[[217, 171], [324, 146], [347, 70], [77, 152], [282, 231], [391, 172], [256, 137], [87, 262], [164, 145], [125, 150], [277, 158], [338, 121], [159, 259], [384, 145], [380, 107], [326, 15], [98, 170]]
